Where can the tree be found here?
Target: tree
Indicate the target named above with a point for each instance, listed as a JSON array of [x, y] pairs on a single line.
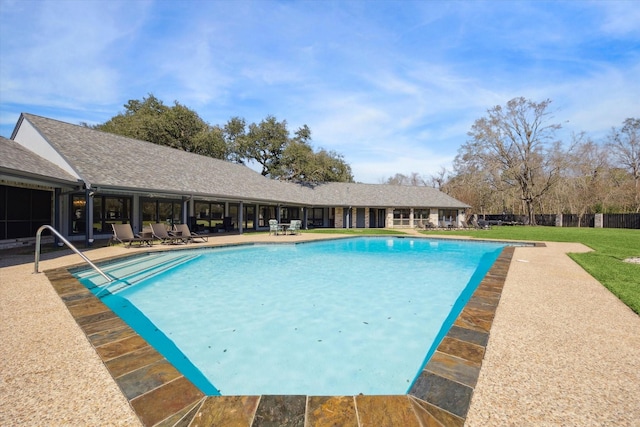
[[177, 126], [300, 163], [625, 149], [234, 133], [211, 144], [414, 179], [512, 143], [329, 166], [265, 143], [584, 182]]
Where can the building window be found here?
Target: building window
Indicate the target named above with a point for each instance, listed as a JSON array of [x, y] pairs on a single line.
[[401, 217], [266, 213], [209, 216], [288, 213], [23, 211], [315, 217], [109, 210], [161, 211], [79, 214], [448, 216], [420, 217], [248, 216]]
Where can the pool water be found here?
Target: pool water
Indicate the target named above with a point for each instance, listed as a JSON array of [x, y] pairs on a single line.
[[338, 317]]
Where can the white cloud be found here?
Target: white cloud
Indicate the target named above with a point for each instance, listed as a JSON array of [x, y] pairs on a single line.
[[393, 86]]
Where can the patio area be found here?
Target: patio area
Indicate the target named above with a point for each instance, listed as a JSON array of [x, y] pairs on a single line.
[[562, 348]]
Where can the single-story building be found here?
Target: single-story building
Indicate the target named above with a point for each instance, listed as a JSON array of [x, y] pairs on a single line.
[[81, 181]]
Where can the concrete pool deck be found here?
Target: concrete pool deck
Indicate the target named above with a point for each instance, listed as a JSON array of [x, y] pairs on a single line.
[[562, 349]]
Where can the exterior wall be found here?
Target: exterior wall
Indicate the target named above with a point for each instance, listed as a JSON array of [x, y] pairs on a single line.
[[30, 138], [366, 217], [354, 218], [433, 216], [389, 221], [338, 218]]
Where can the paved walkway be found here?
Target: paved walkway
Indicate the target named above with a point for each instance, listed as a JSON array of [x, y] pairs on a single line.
[[562, 351]]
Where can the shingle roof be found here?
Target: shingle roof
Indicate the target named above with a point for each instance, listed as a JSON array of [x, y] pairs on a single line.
[[104, 159], [15, 158]]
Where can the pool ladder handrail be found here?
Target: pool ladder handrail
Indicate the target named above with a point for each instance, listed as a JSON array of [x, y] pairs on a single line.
[[66, 242]]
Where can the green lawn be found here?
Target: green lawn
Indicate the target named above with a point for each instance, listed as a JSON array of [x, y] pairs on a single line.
[[610, 246]]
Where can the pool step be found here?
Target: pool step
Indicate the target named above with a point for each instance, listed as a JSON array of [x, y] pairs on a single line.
[[131, 272], [126, 267]]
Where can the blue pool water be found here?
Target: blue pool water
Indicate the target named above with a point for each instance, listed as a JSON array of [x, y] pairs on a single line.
[[338, 317]]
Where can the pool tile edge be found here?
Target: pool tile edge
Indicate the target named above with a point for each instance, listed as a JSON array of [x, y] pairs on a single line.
[[441, 394]]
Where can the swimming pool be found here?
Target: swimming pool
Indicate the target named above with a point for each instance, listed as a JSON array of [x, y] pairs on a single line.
[[357, 314]]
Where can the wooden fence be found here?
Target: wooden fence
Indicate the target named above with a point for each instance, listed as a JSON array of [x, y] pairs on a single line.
[[627, 220]]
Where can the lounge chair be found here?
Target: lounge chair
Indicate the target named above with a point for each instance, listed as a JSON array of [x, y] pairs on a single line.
[[227, 223], [294, 226], [182, 230], [123, 233], [159, 231], [480, 225], [274, 227]]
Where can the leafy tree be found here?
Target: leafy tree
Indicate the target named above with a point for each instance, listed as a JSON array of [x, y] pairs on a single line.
[[268, 143], [234, 133], [512, 143], [302, 164], [177, 126], [265, 143], [211, 144], [298, 162], [625, 149], [330, 167]]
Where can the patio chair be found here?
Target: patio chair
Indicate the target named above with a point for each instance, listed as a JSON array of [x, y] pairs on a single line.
[[182, 230], [274, 227], [159, 231], [464, 225], [443, 224], [227, 223], [479, 225], [123, 233], [294, 226]]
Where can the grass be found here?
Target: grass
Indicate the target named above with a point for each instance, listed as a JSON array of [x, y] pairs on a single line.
[[610, 247]]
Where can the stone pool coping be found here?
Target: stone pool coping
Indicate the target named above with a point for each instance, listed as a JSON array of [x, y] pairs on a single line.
[[563, 350], [161, 396]]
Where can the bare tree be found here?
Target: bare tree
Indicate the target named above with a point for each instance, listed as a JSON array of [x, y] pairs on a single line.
[[625, 149], [438, 179], [414, 179], [584, 183], [514, 143]]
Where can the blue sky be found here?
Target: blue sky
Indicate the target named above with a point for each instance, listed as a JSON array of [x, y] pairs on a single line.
[[394, 86]]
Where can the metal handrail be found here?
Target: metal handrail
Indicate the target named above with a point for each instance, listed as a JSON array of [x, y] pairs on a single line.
[[73, 248]]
